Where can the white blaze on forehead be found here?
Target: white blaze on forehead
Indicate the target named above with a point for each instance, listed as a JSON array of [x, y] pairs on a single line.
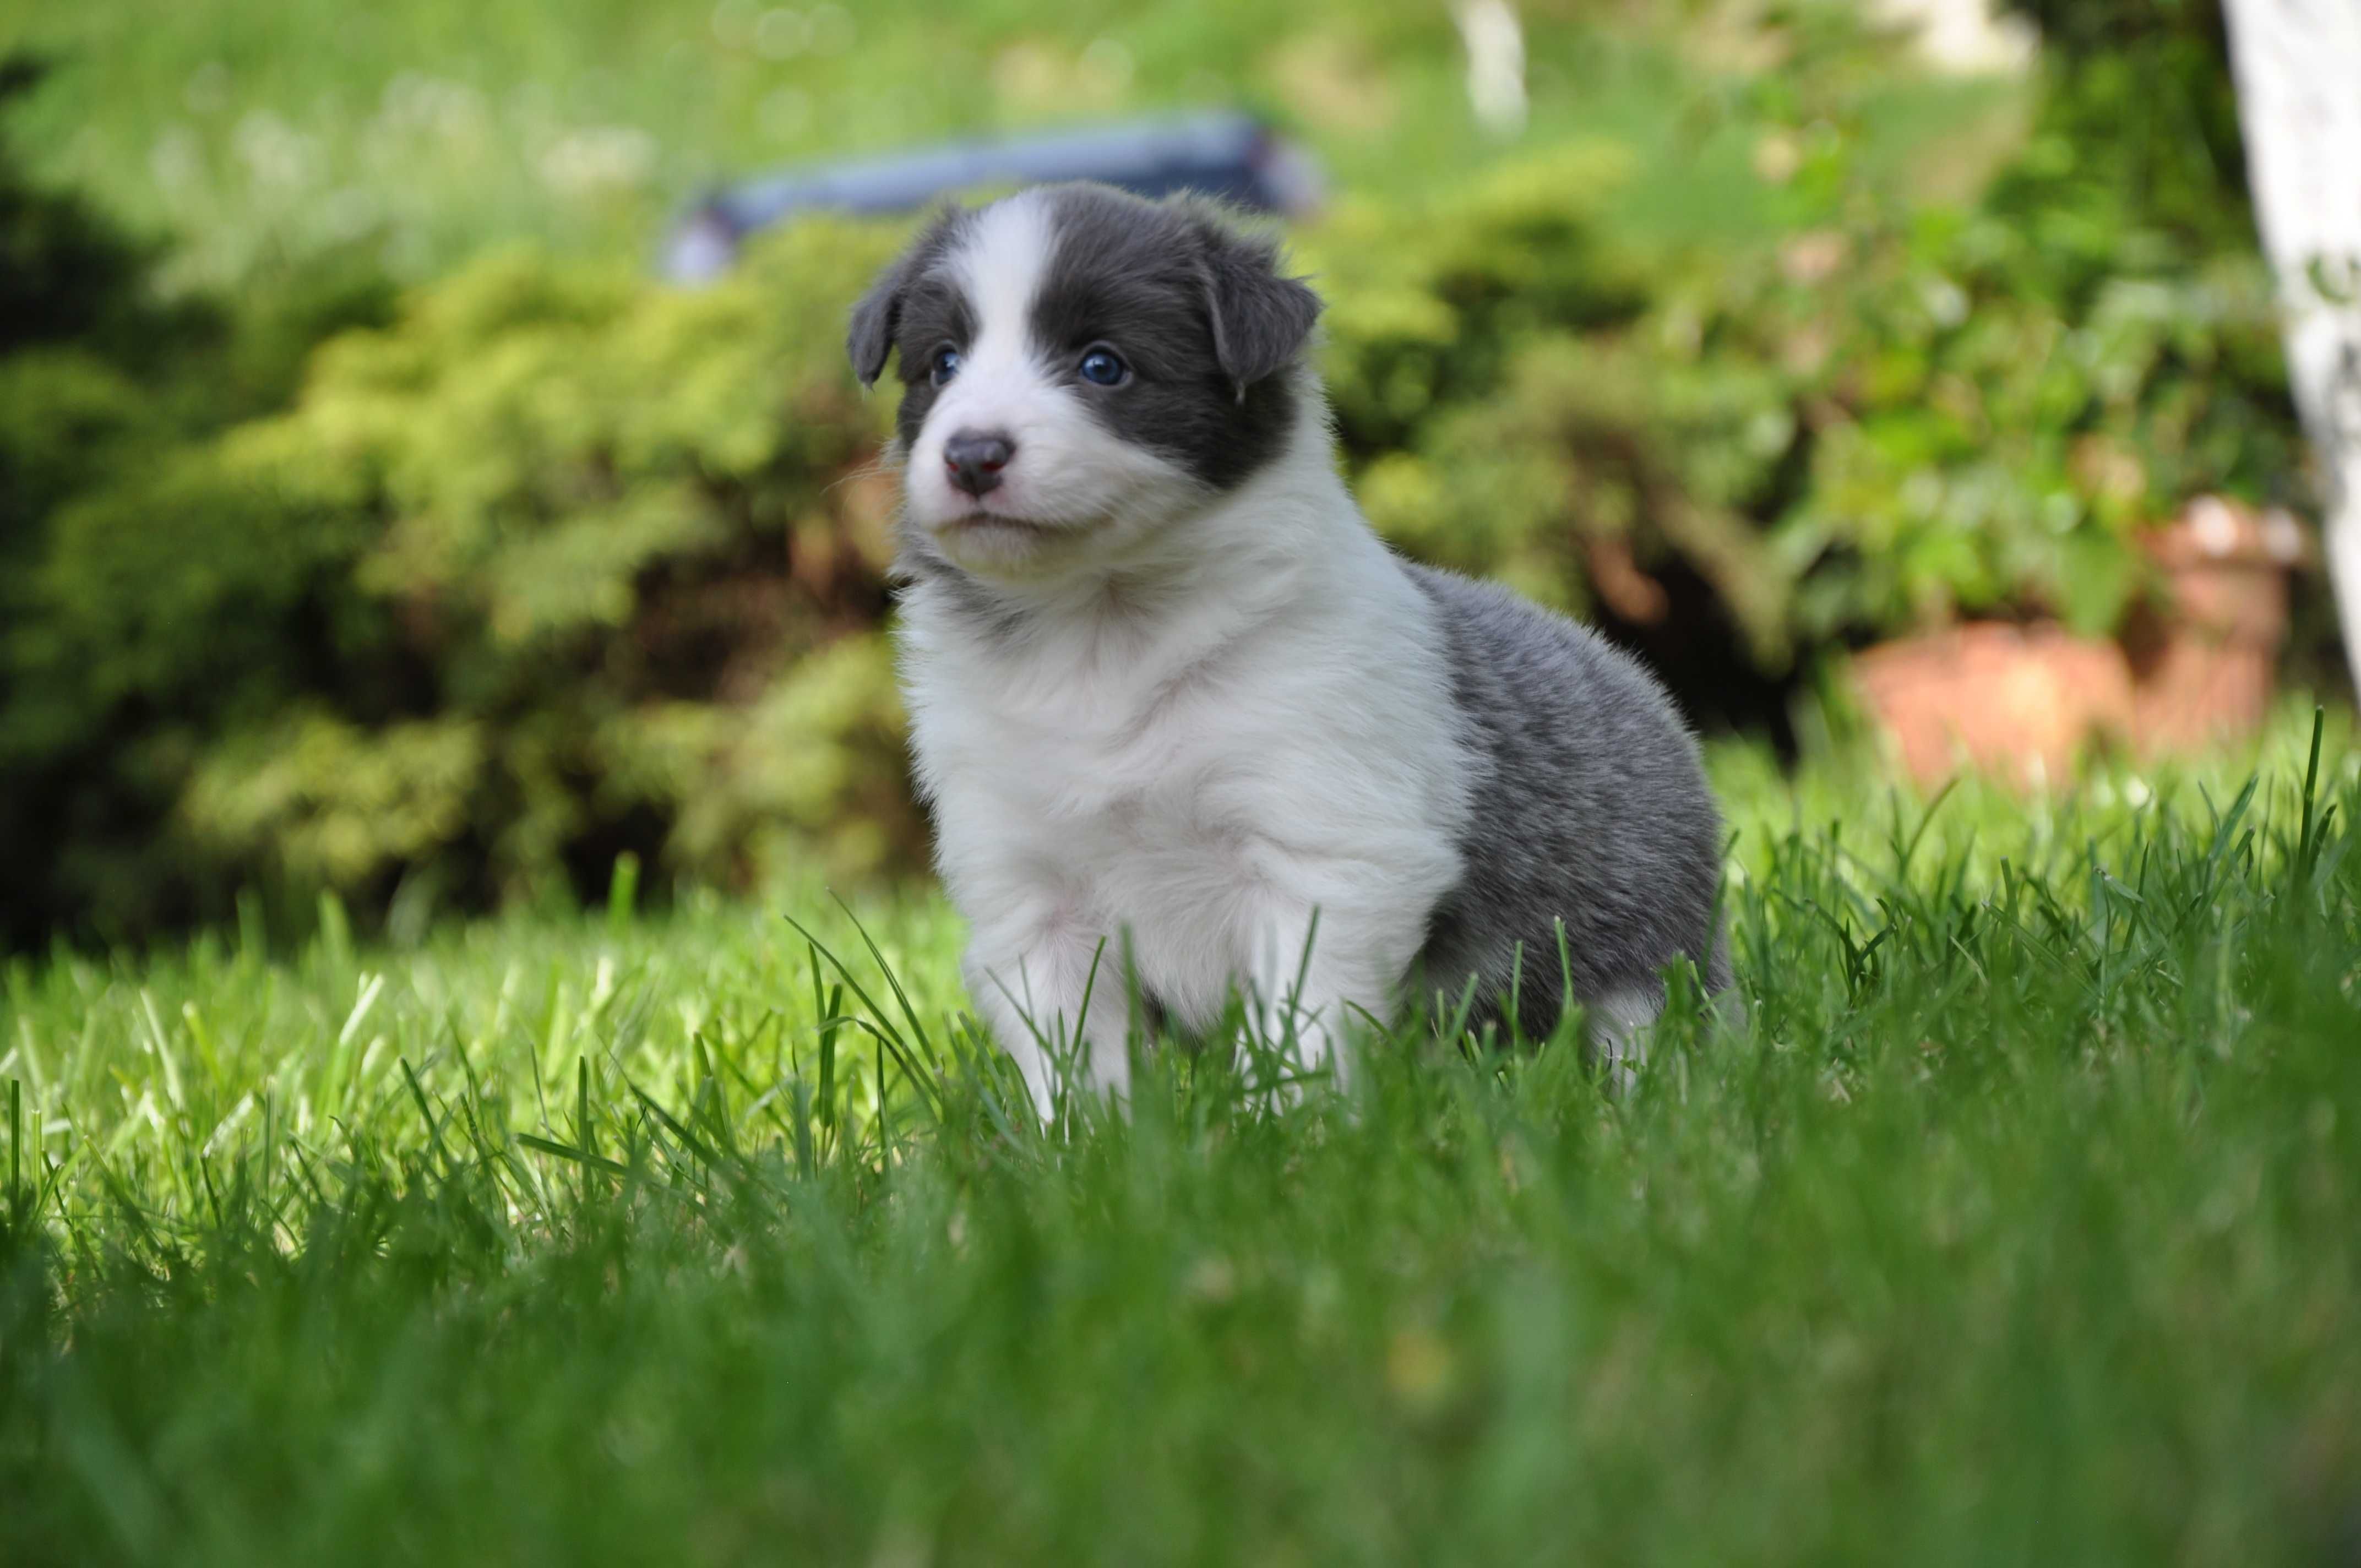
[[1001, 267], [1066, 469]]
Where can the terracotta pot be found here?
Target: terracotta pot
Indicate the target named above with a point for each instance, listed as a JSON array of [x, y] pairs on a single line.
[[2019, 702], [2022, 702], [2204, 660]]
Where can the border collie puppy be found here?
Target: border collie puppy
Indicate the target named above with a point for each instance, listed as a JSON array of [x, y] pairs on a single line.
[[1175, 706]]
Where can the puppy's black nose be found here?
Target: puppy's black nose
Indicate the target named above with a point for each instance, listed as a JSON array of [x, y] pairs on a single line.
[[975, 459]]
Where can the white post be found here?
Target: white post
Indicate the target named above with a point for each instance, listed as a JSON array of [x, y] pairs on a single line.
[[2297, 67], [1496, 64]]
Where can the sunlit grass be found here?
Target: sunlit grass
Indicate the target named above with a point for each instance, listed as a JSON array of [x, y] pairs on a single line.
[[2020, 1224], [249, 133]]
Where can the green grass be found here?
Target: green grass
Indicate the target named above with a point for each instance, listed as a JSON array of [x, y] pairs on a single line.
[[2023, 1223], [253, 133]]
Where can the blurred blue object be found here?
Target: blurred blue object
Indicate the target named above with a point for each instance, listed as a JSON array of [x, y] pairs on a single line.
[[1231, 155]]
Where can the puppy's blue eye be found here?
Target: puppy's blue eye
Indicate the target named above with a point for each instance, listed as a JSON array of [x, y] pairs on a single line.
[[945, 364], [1103, 368]]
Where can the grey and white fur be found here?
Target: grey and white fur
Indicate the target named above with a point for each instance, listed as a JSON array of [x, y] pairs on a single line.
[[1174, 703]]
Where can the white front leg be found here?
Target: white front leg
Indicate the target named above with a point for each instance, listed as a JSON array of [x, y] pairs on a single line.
[[1312, 974], [1055, 1000]]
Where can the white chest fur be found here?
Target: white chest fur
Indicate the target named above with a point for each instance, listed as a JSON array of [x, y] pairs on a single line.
[[1192, 757]]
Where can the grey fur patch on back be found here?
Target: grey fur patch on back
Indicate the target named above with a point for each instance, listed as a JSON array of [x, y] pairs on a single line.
[[1589, 806]]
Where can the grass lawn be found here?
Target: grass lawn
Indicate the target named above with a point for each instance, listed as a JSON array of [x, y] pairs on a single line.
[[2022, 1225], [252, 133]]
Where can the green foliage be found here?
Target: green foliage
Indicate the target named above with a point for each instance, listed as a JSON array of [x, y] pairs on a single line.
[[258, 130], [554, 563], [2137, 140], [601, 570], [2021, 386], [561, 563], [1892, 416], [144, 591], [2023, 1219], [66, 274], [71, 320], [1978, 443], [1489, 354], [556, 566]]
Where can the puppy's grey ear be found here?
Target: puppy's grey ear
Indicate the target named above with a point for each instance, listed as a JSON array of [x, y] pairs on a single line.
[[1261, 318], [872, 332], [870, 337]]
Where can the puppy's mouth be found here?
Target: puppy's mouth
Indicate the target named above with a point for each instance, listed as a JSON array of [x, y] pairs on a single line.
[[977, 519], [988, 526]]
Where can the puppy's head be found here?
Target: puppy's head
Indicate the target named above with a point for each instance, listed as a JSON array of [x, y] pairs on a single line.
[[1080, 367]]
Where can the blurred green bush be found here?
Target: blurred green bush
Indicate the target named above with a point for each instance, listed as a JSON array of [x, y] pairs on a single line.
[[1893, 415], [555, 566], [110, 398], [553, 562], [624, 556]]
